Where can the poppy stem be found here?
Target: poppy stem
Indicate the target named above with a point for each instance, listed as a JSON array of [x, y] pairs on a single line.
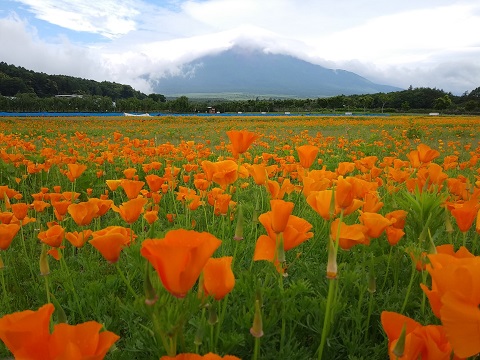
[[282, 300], [256, 350], [326, 321], [388, 267], [47, 288], [125, 280], [4, 288], [409, 288], [220, 320], [331, 290], [26, 252]]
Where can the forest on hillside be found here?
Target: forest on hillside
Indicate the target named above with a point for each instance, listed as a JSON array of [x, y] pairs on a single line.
[[23, 90]]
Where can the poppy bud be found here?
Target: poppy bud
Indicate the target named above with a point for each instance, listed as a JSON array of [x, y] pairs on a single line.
[[212, 314], [448, 223], [151, 296], [239, 227], [257, 329], [44, 267], [399, 348], [332, 262], [280, 251], [198, 340], [372, 284]]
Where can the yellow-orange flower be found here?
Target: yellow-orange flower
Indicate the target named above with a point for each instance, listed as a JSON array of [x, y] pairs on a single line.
[[281, 211], [20, 210], [132, 187], [241, 140], [180, 257], [83, 213], [111, 241], [74, 171], [7, 233], [53, 236], [218, 278], [307, 155], [130, 211]]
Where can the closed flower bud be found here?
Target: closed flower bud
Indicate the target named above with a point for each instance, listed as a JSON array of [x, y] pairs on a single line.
[[257, 329], [44, 267]]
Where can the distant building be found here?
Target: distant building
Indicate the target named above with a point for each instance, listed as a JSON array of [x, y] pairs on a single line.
[[211, 110]]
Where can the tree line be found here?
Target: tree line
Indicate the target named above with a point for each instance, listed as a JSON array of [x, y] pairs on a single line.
[[28, 91]]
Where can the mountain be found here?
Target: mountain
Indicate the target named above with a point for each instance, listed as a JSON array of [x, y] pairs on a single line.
[[255, 73]]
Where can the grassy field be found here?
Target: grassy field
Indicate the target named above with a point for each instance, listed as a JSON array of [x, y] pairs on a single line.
[[320, 295]]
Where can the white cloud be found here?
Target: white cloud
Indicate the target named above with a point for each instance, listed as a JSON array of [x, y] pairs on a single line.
[[430, 43], [110, 18]]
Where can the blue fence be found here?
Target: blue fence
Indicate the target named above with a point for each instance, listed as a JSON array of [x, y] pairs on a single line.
[[85, 114]]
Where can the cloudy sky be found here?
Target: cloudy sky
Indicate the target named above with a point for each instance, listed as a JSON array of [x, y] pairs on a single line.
[[433, 43]]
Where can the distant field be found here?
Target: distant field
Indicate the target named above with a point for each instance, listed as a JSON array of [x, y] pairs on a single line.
[[120, 181]]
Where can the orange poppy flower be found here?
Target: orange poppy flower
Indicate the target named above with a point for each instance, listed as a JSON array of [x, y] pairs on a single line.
[[154, 182], [321, 202], [53, 236], [312, 184], [348, 235], [295, 233], [201, 184], [40, 205], [375, 223], [180, 257], [74, 171], [273, 188], [194, 201], [394, 235], [459, 312], [26, 333], [222, 203], [258, 172], [130, 211], [83, 213], [426, 153], [129, 173], [113, 184], [132, 187], [281, 211], [225, 173], [151, 216], [307, 155], [241, 140], [218, 278], [111, 241], [420, 342], [82, 341], [372, 202], [344, 193], [399, 216], [20, 210], [60, 208], [192, 356], [70, 195], [7, 233], [103, 205], [344, 168], [78, 239], [6, 217], [465, 214]]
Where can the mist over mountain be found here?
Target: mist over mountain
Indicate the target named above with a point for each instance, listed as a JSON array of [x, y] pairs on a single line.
[[256, 73]]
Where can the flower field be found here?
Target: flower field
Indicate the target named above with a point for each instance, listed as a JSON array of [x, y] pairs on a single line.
[[240, 237]]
